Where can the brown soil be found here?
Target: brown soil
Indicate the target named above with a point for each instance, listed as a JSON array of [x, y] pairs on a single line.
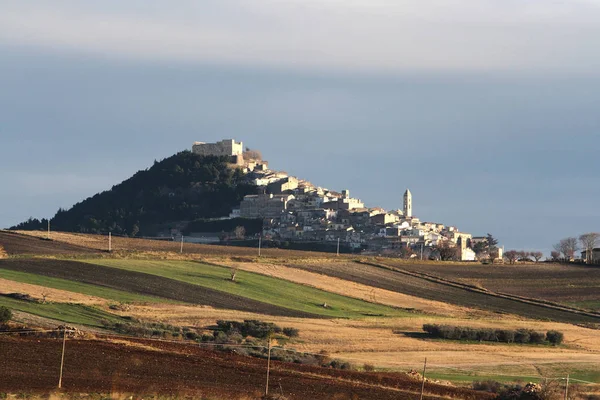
[[349, 288], [16, 244], [553, 282], [91, 366], [147, 284], [123, 244], [52, 295], [415, 286]]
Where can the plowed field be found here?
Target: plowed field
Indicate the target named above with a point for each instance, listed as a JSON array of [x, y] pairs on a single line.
[[100, 242], [16, 244], [415, 286], [146, 284], [554, 282], [91, 366]]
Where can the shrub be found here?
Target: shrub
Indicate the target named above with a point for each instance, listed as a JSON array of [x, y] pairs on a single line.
[[506, 335], [291, 332], [191, 335], [488, 386], [492, 335], [252, 327], [536, 337], [368, 368], [555, 337], [5, 315], [522, 336]]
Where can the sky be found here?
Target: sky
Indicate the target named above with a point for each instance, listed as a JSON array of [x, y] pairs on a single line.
[[488, 111]]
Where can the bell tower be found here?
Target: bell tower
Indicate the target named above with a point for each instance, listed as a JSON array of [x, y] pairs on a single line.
[[407, 204]]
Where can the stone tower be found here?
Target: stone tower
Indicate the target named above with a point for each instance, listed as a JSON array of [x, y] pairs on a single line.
[[407, 204]]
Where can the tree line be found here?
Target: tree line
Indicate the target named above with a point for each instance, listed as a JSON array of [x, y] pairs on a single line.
[[566, 248]]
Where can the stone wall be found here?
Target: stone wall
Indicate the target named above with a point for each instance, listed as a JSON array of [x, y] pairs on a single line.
[[228, 147]]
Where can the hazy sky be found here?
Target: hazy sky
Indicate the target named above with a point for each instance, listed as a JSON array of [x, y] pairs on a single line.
[[488, 110]]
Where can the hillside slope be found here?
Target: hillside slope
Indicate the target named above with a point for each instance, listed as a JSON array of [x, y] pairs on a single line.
[[183, 187]]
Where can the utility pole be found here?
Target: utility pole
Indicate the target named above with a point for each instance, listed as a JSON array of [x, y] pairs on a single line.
[[62, 358], [567, 388], [421, 251], [259, 244], [268, 368], [181, 249], [423, 384], [338, 247], [109, 242]]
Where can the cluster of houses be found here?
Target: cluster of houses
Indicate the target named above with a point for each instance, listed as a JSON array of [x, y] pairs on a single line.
[[295, 210]]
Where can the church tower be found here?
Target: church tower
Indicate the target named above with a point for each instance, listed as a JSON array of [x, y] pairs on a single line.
[[407, 204]]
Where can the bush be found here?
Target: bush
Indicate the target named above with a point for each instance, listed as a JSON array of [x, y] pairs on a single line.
[[487, 386], [522, 336], [492, 335], [291, 332], [250, 327], [5, 315], [555, 337], [536, 337], [368, 368]]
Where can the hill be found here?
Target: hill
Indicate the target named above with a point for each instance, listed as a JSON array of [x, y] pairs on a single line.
[[183, 187]]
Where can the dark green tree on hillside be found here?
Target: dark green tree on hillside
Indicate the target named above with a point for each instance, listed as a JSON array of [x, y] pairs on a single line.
[[183, 187]]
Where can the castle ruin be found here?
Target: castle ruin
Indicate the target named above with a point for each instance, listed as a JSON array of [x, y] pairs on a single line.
[[227, 147]]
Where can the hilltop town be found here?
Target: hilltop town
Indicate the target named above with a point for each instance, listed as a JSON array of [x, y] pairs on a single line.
[[293, 209]]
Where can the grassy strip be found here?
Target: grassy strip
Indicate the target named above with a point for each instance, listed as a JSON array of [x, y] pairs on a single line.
[[68, 313], [78, 287], [258, 287]]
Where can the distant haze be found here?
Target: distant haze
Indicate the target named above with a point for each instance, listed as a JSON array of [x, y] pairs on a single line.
[[487, 111]]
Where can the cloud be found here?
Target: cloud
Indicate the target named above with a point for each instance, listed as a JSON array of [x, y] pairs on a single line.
[[373, 35]]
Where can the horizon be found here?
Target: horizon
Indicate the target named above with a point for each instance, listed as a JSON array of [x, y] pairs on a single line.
[[492, 133]]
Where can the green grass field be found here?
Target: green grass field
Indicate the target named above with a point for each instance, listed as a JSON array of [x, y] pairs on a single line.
[[258, 287], [68, 313], [77, 287]]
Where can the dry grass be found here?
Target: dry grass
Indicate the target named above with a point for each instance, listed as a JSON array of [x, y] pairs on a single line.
[[351, 289], [387, 342], [124, 244], [3, 253], [52, 295]]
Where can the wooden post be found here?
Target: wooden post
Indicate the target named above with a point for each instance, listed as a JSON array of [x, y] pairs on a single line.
[[567, 388], [62, 358], [423, 384], [338, 247], [109, 242], [259, 243], [181, 249], [268, 368], [48, 237]]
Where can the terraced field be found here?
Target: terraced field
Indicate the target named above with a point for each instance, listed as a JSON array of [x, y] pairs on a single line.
[[141, 283], [150, 367], [402, 283], [15, 244], [125, 244], [198, 283], [577, 285]]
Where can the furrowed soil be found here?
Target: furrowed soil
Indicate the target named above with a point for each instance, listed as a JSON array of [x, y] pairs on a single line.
[[146, 284], [16, 244], [123, 244], [419, 287], [351, 289], [31, 365], [569, 284]]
